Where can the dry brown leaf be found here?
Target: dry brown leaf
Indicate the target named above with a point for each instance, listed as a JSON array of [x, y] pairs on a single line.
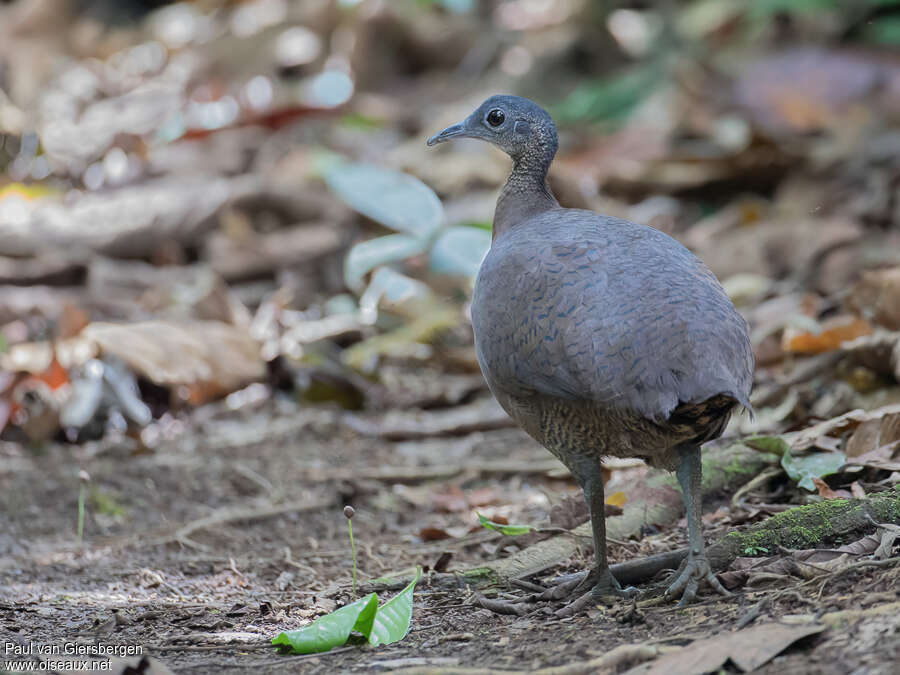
[[837, 426], [570, 512], [834, 332], [825, 491], [433, 534], [878, 352], [877, 297], [748, 649], [805, 563], [880, 458], [873, 434], [206, 358]]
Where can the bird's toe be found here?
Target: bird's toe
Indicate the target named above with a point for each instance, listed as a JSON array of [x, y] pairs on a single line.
[[687, 581]]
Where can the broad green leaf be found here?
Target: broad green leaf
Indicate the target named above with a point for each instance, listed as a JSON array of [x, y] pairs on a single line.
[[393, 617], [774, 444], [883, 31], [332, 630], [511, 530], [611, 98], [368, 255], [394, 199], [459, 251], [380, 625], [817, 465]]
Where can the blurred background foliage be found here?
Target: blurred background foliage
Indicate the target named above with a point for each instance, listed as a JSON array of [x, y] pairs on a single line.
[[232, 198]]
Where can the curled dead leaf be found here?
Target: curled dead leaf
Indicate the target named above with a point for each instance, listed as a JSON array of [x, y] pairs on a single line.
[[834, 332]]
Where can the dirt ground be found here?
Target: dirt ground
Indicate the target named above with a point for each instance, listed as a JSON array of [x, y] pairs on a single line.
[[206, 548]]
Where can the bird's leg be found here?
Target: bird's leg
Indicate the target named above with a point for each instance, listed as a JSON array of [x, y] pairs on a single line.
[[604, 583], [695, 569], [599, 581], [584, 588]]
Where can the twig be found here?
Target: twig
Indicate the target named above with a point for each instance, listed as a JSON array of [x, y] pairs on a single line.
[[237, 514], [500, 606]]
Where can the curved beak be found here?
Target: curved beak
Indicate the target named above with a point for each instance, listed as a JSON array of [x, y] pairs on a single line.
[[447, 134]]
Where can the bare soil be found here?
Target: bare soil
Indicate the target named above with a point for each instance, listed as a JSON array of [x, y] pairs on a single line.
[[205, 548]]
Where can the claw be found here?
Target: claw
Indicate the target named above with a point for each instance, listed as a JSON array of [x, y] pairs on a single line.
[[687, 581], [585, 588]]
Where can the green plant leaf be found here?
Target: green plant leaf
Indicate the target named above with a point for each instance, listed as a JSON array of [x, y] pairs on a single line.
[[398, 291], [332, 630], [774, 444], [379, 625], [459, 251], [367, 255], [394, 199], [612, 98], [816, 465], [393, 617], [511, 530]]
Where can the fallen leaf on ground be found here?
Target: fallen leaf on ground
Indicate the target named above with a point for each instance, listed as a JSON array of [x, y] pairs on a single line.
[[837, 427], [617, 499], [207, 358], [825, 491], [379, 625], [834, 332], [747, 649], [875, 296], [805, 469]]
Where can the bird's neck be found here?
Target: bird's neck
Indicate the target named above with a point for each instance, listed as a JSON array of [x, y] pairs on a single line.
[[526, 192]]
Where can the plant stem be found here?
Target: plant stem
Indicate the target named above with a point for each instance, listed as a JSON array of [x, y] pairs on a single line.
[[82, 496], [353, 552]]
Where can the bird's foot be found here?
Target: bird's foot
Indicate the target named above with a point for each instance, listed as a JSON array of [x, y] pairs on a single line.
[[584, 588], [693, 572]]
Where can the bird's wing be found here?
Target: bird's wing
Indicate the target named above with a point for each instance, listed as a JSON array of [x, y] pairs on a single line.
[[606, 310]]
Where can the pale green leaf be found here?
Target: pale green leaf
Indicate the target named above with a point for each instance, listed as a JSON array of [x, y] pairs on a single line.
[[816, 465], [774, 444], [511, 530], [394, 199], [458, 251], [367, 255], [394, 290], [332, 630], [393, 617]]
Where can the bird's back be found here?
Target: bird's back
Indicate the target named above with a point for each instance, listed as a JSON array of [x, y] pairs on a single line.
[[580, 309]]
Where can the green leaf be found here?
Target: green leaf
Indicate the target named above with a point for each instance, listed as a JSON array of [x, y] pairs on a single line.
[[393, 617], [368, 255], [883, 31], [4, 346], [511, 530], [332, 630], [459, 251], [817, 465], [380, 625], [394, 199], [612, 98], [774, 444], [394, 289]]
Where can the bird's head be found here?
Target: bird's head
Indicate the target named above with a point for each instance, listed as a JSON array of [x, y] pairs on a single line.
[[516, 125]]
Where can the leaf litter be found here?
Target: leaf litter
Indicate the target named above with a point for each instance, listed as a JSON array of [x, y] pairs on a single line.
[[216, 248]]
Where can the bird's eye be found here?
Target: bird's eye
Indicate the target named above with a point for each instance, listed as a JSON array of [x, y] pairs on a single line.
[[495, 117]]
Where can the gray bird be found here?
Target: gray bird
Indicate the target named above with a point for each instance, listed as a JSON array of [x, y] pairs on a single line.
[[601, 337]]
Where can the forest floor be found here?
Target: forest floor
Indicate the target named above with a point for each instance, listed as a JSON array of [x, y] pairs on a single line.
[[202, 551]]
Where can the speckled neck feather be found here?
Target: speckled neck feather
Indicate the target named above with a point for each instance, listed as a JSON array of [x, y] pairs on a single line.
[[526, 192]]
